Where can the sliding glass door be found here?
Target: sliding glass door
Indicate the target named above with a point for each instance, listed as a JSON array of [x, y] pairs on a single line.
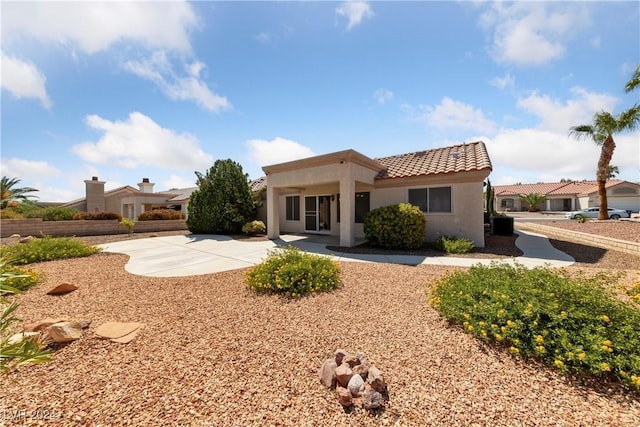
[[317, 213]]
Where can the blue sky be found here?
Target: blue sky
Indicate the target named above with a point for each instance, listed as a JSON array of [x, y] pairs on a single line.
[[129, 90]]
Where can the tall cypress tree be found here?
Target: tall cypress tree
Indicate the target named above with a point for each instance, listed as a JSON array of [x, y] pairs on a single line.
[[223, 202]]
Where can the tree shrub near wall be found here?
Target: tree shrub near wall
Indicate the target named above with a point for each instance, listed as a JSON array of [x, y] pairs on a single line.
[[223, 201], [97, 216], [58, 213], [400, 226], [160, 214]]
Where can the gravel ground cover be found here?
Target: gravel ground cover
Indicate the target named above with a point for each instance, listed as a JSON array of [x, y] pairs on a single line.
[[214, 354], [622, 230]]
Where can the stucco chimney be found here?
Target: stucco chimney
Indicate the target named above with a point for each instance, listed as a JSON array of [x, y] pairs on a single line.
[[95, 194], [145, 186]]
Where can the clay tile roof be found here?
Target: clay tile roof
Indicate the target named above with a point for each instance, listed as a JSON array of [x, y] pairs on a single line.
[[457, 158], [258, 184], [518, 189]]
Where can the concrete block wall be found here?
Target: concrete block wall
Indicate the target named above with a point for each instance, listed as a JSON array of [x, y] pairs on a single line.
[[37, 227]]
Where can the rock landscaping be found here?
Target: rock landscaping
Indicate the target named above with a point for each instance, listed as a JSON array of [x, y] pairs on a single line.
[[357, 382]]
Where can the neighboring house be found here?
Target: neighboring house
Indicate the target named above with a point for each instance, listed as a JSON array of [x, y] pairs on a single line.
[[568, 196], [331, 193], [128, 201]]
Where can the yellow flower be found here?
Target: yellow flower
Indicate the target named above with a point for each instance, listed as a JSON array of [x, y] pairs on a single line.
[[605, 367], [582, 356], [483, 333], [470, 328], [607, 343], [481, 324], [498, 337], [540, 349], [503, 329], [494, 326], [467, 316], [558, 363], [563, 314], [509, 323], [514, 350], [605, 318], [539, 339]]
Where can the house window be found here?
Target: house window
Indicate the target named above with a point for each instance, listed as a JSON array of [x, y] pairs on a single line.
[[362, 206], [506, 204], [431, 200], [293, 208]]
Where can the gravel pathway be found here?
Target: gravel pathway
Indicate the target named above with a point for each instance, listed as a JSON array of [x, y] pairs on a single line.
[[214, 354]]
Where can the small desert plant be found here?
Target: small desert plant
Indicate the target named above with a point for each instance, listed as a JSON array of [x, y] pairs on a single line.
[[453, 245], [46, 249], [254, 227], [399, 226], [19, 278], [570, 322], [26, 350], [128, 224], [581, 218], [160, 214], [293, 273]]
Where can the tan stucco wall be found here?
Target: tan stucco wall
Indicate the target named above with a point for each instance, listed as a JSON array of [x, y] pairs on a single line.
[[466, 220]]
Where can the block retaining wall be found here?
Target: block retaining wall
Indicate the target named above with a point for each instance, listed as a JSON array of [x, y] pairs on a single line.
[[590, 239], [37, 227]]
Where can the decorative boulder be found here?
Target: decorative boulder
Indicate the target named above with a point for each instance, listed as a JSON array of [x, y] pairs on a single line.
[[65, 331], [344, 396], [63, 288], [371, 399], [340, 354], [343, 374], [356, 385], [376, 380], [327, 373]]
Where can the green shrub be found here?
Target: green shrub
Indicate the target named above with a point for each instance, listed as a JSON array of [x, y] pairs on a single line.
[[634, 292], [293, 273], [46, 249], [58, 213], [581, 218], [453, 245], [19, 278], [254, 227], [29, 209], [160, 214], [128, 224], [571, 323], [9, 213], [97, 216], [24, 351], [399, 226], [223, 201]]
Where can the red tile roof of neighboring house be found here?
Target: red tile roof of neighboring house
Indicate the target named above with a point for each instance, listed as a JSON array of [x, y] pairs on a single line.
[[466, 157], [572, 188]]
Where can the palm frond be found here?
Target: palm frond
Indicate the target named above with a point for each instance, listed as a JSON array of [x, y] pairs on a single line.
[[634, 82]]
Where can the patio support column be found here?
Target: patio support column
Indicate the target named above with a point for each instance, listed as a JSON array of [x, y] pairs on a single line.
[[347, 208], [548, 204], [273, 213]]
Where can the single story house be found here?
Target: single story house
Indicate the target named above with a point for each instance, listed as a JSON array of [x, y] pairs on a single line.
[[568, 196], [331, 193], [128, 201]]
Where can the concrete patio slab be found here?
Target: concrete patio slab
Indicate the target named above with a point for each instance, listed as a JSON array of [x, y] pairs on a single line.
[[175, 256]]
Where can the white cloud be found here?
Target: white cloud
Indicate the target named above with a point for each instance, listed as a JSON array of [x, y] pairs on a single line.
[[141, 141], [558, 116], [502, 83], [180, 87], [278, 150], [532, 33], [450, 114], [382, 96], [32, 169], [23, 79], [355, 12], [95, 26]]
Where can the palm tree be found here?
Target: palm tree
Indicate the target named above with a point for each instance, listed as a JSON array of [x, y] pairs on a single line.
[[533, 199], [613, 171], [601, 130], [634, 82], [8, 193]]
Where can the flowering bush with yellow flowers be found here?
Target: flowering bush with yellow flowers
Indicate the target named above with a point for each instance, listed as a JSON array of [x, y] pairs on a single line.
[[293, 273], [570, 322], [634, 292], [46, 248]]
